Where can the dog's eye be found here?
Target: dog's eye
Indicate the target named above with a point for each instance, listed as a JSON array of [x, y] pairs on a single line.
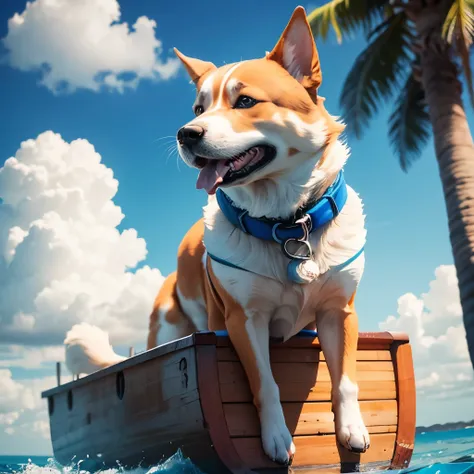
[[198, 110], [245, 102]]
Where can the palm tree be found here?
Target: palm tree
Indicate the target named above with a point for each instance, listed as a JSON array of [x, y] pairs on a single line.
[[417, 50]]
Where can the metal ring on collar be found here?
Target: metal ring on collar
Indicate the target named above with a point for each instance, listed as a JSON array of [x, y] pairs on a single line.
[[296, 256], [305, 223], [275, 238]]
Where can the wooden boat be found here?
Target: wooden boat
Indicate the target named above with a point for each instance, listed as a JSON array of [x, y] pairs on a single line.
[[192, 394]]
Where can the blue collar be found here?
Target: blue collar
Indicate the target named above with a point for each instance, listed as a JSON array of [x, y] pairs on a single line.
[[323, 211]]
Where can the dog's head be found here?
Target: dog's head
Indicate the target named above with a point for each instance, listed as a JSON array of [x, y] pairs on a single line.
[[259, 119]]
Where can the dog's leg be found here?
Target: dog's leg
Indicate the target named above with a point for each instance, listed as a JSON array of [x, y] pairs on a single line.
[[167, 320], [338, 333], [250, 336]]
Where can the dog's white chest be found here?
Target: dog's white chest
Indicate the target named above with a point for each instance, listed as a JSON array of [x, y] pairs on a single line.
[[285, 308], [265, 291], [295, 309]]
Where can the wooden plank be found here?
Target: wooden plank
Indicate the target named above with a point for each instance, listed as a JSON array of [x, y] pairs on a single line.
[[310, 382], [310, 418], [153, 410], [383, 429], [317, 451], [367, 340], [58, 373], [400, 337], [369, 355], [405, 376], [205, 338], [228, 354], [377, 370], [213, 411], [303, 355], [320, 392], [377, 336]]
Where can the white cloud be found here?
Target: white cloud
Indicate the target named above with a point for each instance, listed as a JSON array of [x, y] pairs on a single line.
[[82, 44], [42, 428], [14, 399], [434, 323], [21, 406], [62, 259], [30, 357], [9, 418], [13, 396]]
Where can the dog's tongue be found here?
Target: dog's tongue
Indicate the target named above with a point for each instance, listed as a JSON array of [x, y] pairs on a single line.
[[212, 175]]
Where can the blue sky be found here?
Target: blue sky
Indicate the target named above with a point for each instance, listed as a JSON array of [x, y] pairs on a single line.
[[406, 219], [405, 215]]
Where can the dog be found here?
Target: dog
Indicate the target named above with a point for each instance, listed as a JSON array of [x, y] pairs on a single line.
[[280, 246]]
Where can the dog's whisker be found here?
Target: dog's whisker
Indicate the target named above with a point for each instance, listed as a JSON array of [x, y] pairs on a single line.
[[166, 144], [163, 138], [172, 146], [178, 161], [171, 150]]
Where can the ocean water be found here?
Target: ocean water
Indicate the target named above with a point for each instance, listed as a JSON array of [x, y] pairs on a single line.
[[435, 449]]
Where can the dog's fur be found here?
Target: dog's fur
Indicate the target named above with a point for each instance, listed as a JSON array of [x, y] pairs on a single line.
[[254, 306]]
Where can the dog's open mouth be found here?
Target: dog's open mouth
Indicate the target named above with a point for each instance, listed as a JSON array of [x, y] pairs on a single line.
[[215, 172]]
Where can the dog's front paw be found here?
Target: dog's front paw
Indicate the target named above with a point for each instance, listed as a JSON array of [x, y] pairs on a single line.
[[276, 438], [350, 427], [354, 437]]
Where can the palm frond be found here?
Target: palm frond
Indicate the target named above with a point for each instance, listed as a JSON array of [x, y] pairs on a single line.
[[346, 16], [458, 30], [376, 73], [409, 123]]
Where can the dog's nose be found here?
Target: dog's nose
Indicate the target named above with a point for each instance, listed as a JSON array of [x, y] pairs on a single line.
[[190, 134]]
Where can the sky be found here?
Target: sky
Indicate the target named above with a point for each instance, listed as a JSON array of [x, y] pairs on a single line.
[[94, 200]]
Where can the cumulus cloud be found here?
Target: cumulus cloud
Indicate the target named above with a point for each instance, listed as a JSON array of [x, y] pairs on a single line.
[[30, 357], [41, 427], [14, 399], [8, 419], [21, 406], [434, 324], [62, 258], [82, 44]]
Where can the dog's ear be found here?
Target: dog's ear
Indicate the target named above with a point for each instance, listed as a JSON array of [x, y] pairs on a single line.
[[195, 67], [296, 52]]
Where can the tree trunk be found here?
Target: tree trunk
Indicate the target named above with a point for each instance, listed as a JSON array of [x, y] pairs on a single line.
[[454, 152]]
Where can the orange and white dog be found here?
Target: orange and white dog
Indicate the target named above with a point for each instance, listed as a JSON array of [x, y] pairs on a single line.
[[280, 247]]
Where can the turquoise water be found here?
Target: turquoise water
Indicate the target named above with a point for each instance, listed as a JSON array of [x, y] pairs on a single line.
[[435, 449], [443, 447]]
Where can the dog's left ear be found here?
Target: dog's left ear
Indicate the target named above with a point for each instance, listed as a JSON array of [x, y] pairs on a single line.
[[195, 67], [296, 52]]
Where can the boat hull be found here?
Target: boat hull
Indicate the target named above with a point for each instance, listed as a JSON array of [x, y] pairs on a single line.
[[192, 394]]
